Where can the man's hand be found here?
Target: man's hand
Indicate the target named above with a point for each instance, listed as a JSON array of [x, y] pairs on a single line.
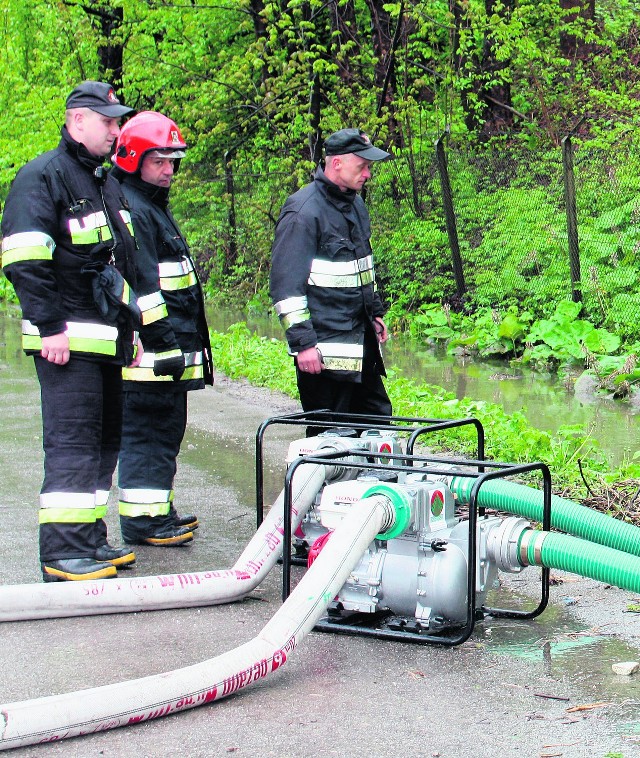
[[381, 329], [310, 360], [56, 349], [138, 356]]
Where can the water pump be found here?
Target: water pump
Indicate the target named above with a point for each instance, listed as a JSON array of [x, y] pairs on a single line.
[[417, 577]]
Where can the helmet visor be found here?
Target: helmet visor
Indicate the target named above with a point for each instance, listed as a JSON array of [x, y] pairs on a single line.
[[166, 153]]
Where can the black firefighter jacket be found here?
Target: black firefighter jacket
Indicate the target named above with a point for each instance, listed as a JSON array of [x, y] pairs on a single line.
[[322, 279], [64, 219], [169, 294]]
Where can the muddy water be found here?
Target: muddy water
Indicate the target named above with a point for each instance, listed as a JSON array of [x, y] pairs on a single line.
[[546, 401]]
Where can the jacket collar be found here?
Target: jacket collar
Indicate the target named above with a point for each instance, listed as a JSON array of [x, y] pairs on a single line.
[[342, 199], [79, 151], [157, 195]]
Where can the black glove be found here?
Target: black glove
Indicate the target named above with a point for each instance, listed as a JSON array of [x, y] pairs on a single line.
[[173, 366]]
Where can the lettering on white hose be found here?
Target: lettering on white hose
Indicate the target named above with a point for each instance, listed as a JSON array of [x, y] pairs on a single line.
[[94, 589], [155, 714], [185, 580], [243, 678]]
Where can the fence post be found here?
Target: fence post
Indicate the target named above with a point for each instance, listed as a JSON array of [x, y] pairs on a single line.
[[572, 218], [232, 253], [450, 217]]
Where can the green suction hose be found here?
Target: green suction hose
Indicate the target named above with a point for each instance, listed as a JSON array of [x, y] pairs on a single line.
[[566, 515], [561, 551]]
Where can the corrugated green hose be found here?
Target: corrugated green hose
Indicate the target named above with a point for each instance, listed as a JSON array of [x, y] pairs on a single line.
[[561, 551], [566, 515]]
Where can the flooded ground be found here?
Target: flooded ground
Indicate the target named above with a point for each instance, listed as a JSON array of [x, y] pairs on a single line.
[[522, 689], [546, 401]]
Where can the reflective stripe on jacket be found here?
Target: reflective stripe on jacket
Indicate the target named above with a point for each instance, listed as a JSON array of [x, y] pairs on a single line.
[[194, 369], [169, 293]]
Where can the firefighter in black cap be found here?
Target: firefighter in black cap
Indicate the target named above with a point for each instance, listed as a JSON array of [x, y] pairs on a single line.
[[323, 283], [67, 248]]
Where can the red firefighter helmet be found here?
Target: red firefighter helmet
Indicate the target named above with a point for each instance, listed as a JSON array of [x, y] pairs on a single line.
[[146, 132]]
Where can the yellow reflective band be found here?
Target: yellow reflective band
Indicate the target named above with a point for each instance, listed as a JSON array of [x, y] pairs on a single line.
[[354, 273], [178, 283], [346, 280], [342, 364], [100, 511], [27, 246], [177, 275], [290, 305], [66, 516], [149, 509], [84, 337], [291, 319], [67, 508], [168, 354], [292, 310], [90, 229], [139, 374], [126, 217], [154, 314], [144, 372], [153, 307], [143, 502], [127, 293]]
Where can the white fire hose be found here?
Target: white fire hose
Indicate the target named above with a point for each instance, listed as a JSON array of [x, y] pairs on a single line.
[[94, 710], [22, 602]]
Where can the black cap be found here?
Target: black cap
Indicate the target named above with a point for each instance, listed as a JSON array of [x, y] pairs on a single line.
[[99, 97], [353, 141]]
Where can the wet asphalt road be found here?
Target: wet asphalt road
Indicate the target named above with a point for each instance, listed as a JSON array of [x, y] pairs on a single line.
[[505, 692]]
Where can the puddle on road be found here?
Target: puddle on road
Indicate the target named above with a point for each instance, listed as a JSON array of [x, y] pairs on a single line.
[[567, 650], [228, 460]]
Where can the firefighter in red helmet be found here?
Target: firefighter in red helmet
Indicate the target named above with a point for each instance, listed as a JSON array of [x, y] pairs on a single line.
[[174, 334]]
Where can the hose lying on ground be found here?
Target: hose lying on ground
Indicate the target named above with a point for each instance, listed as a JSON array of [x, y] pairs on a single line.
[[57, 717]]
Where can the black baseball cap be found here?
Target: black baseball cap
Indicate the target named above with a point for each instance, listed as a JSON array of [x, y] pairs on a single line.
[[99, 97], [353, 141]]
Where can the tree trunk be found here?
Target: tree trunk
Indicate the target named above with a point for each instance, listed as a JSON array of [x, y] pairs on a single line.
[[572, 46]]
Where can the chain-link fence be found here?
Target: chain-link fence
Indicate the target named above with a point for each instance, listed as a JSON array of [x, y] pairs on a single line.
[[499, 227]]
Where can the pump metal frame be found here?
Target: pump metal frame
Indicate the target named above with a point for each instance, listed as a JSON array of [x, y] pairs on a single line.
[[438, 466], [326, 418]]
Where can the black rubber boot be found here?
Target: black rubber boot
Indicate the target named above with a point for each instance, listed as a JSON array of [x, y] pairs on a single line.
[[167, 537], [157, 530], [75, 569], [187, 522], [116, 556], [183, 522]]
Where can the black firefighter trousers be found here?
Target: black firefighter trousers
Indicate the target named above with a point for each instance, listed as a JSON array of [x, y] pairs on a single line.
[[81, 425], [153, 427]]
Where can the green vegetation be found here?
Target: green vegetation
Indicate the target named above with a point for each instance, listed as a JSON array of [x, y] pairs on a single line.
[[256, 84], [570, 453]]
